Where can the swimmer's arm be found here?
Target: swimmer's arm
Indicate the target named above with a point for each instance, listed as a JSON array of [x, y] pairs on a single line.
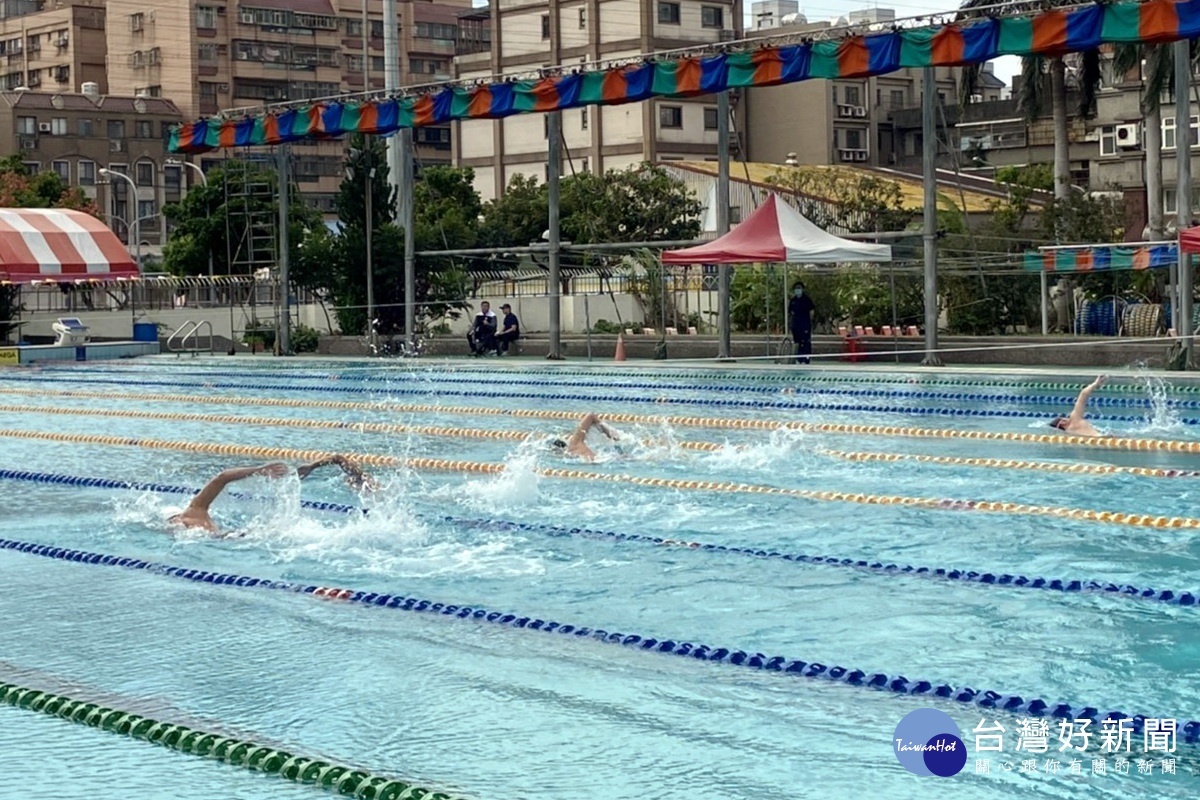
[[205, 497], [354, 473], [1080, 409], [607, 431]]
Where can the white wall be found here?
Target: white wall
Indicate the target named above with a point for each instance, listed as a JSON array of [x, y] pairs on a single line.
[[571, 34], [692, 131], [525, 133], [521, 33], [476, 139], [622, 124], [119, 324], [620, 19]]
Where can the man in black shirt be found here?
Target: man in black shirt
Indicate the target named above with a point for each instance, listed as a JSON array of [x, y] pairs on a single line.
[[482, 336], [510, 329], [800, 312]]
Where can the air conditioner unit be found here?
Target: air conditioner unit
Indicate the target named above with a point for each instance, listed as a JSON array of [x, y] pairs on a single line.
[[29, 144], [861, 155], [246, 17], [62, 41], [1129, 136], [846, 155], [43, 127], [116, 146], [845, 111], [859, 111], [223, 88]]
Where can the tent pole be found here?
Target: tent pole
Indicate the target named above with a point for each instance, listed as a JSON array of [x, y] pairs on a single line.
[[554, 165], [1182, 312], [1045, 305], [929, 147], [723, 282]]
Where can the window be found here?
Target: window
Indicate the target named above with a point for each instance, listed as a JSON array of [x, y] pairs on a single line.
[[63, 168], [33, 166], [670, 117], [354, 63], [377, 64], [137, 22], [354, 27], [172, 179], [668, 13], [711, 120], [854, 139], [145, 173], [206, 17], [545, 26], [583, 19], [87, 173], [208, 53], [144, 129], [712, 17], [58, 126], [437, 30], [583, 120], [545, 126], [116, 129], [146, 209], [86, 129], [376, 29], [1169, 200], [208, 91], [1108, 140], [897, 98], [584, 165], [853, 95], [27, 126]]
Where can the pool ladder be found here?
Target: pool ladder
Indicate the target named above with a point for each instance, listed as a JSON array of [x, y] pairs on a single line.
[[190, 331]]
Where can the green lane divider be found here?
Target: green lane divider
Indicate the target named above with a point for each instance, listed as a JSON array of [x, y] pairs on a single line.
[[343, 780]]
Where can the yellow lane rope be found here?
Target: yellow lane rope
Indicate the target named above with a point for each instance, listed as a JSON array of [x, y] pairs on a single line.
[[517, 436], [1103, 442], [1002, 507]]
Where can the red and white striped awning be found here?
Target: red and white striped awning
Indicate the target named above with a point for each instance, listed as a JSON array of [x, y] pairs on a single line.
[[54, 244]]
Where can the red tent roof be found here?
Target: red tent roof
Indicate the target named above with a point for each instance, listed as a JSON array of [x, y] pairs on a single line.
[[776, 232], [58, 244], [1189, 240]]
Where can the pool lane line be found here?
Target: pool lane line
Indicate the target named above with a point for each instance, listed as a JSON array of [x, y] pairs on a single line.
[[906, 394], [484, 468], [774, 376], [776, 405], [1002, 579], [520, 436], [715, 423], [343, 780], [1015, 704]]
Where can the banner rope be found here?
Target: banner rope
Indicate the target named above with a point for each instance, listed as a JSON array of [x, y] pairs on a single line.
[[448, 465]]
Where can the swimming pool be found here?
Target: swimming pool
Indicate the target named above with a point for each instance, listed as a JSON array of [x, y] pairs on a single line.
[[496, 711]]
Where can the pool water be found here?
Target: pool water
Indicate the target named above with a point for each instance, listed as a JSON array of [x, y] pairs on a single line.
[[491, 711]]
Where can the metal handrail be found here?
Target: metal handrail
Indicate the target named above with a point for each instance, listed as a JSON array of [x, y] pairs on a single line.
[[194, 335], [181, 331]]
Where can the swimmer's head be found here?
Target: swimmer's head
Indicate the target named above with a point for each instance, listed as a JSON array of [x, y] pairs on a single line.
[[557, 445], [1061, 423]]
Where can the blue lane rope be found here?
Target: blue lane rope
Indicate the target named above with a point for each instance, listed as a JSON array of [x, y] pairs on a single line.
[[436, 378], [780, 405], [1061, 585], [1015, 704]]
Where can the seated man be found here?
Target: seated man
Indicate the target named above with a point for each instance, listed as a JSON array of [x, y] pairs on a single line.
[[482, 336], [510, 331], [196, 514], [576, 443], [1075, 423]]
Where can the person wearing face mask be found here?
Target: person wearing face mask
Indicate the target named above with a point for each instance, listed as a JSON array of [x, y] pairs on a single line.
[[800, 314]]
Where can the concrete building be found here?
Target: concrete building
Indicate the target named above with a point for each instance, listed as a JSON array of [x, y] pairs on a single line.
[[209, 56], [52, 45], [77, 135], [833, 121], [529, 35], [774, 13]]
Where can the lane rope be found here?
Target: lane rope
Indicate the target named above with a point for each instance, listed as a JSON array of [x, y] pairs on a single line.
[[1065, 585], [779, 405], [449, 465], [518, 436], [717, 423], [344, 780], [1188, 731], [433, 377]]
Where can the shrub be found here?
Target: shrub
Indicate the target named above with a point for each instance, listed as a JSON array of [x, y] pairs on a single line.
[[304, 339]]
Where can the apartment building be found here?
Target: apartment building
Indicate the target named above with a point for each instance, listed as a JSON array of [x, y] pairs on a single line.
[[528, 35], [210, 56], [52, 45], [842, 121], [76, 134]]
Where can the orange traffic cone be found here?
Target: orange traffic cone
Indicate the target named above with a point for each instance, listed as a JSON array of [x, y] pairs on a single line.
[[620, 354]]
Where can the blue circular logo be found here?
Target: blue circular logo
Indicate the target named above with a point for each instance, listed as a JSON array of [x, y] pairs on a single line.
[[928, 742]]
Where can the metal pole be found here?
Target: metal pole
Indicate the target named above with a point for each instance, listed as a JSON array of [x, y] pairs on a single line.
[[407, 210], [929, 146], [370, 181], [722, 200], [283, 345], [366, 37], [1045, 304], [554, 167], [391, 85], [1183, 192]]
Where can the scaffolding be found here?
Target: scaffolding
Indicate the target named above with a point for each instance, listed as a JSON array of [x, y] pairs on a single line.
[[251, 229]]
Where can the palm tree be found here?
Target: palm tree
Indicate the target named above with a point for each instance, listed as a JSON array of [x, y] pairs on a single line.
[[1157, 66]]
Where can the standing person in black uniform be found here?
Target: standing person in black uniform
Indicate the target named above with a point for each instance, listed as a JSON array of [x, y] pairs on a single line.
[[482, 336], [510, 330], [800, 313]]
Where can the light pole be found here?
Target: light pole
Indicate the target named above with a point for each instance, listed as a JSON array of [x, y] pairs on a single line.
[[370, 223], [137, 223], [175, 162]]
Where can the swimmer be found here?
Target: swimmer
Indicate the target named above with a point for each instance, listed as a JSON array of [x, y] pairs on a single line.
[[576, 444], [1075, 424], [196, 514]]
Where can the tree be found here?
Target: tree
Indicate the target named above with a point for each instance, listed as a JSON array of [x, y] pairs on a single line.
[[850, 201], [210, 218]]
